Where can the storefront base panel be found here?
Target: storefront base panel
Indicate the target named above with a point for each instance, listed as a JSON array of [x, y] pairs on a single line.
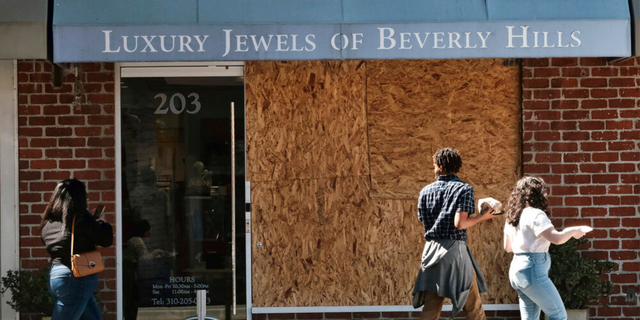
[[445, 315]]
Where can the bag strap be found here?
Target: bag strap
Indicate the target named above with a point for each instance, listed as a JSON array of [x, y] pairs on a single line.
[[73, 229]]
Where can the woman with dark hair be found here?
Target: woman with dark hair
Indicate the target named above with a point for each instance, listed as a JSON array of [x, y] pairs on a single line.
[[74, 296], [528, 233]]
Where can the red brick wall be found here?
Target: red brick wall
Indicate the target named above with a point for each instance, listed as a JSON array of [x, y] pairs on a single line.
[[65, 132], [581, 134]]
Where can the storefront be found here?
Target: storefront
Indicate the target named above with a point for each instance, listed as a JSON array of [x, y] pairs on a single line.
[[181, 151], [271, 153]]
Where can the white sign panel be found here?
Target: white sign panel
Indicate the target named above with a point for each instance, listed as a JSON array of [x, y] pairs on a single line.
[[433, 40]]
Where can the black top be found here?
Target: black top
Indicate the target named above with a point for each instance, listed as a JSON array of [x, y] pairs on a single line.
[[89, 233]]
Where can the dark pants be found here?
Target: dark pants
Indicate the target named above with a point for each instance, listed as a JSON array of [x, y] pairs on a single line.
[[472, 308]]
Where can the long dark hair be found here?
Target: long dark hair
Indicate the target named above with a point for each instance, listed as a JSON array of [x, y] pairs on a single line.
[[528, 191], [69, 198]]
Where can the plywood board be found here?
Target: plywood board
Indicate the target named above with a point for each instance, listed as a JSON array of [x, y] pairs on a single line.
[[327, 243], [417, 107], [306, 120], [336, 172]]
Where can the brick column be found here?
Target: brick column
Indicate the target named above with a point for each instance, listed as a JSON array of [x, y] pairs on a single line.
[[581, 134], [66, 132]]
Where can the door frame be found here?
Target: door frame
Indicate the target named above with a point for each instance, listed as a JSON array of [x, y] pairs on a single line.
[[9, 184], [172, 69]]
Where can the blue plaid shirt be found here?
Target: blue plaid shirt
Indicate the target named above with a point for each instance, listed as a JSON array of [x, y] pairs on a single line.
[[439, 203]]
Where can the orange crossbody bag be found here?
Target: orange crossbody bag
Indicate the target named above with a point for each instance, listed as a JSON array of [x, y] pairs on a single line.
[[86, 263]]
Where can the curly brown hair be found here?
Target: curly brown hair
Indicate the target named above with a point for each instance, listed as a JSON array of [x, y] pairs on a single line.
[[448, 160], [528, 191]]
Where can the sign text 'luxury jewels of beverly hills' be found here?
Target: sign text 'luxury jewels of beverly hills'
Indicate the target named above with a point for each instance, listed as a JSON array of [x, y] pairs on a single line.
[[341, 41]]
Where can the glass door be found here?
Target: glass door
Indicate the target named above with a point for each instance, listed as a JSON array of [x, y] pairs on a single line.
[[182, 178]]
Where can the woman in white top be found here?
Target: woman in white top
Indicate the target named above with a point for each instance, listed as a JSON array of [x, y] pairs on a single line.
[[528, 233]]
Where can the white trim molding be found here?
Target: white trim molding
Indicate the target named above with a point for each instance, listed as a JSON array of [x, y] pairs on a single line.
[[182, 69], [331, 309], [9, 202], [119, 287]]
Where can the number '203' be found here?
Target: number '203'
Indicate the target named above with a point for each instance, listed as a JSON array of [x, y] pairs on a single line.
[[181, 105]]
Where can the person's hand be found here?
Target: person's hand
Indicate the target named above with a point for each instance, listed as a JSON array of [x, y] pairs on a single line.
[[158, 252], [577, 233], [487, 213], [92, 213]]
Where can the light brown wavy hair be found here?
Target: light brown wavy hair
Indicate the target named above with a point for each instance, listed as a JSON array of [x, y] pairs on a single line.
[[528, 191]]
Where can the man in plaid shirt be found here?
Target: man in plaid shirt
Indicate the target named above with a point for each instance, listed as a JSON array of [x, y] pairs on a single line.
[[448, 267]]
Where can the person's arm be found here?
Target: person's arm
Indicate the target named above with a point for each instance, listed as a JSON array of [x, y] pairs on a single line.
[[466, 206], [463, 221], [98, 231], [507, 243], [560, 237]]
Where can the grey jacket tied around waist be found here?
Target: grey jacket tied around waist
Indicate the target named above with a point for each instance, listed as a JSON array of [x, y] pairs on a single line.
[[447, 269]]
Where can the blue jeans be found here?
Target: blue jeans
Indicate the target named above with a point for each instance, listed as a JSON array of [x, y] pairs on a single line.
[[529, 275], [74, 296]]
